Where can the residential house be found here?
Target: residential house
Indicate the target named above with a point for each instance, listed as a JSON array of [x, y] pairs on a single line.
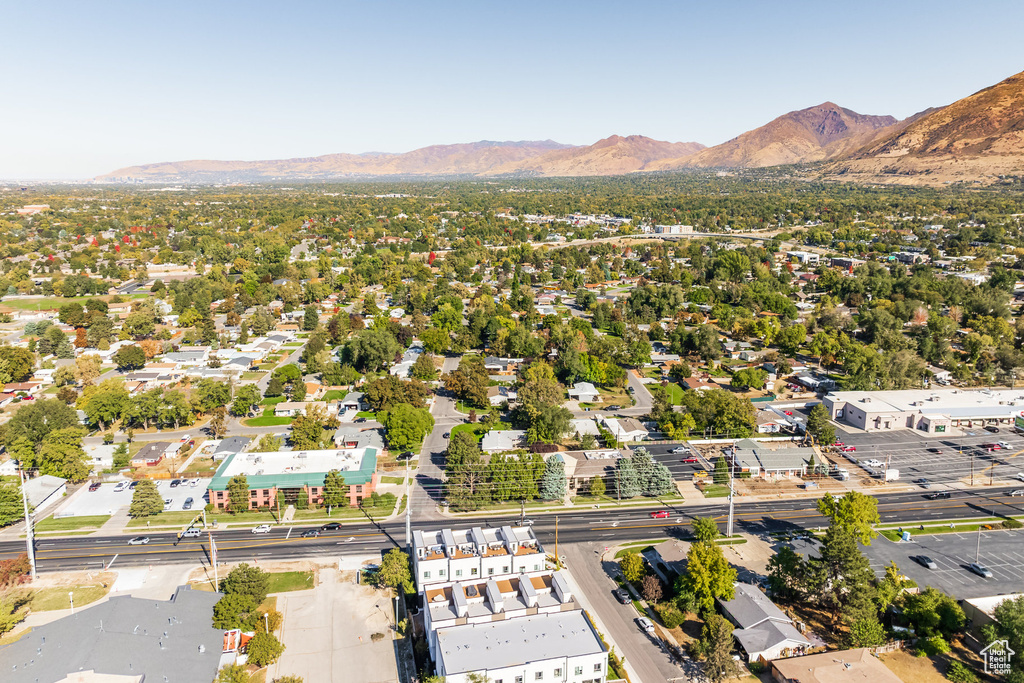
[[584, 392], [760, 461], [843, 666], [151, 454], [626, 429], [499, 395], [499, 441], [296, 408], [764, 632], [698, 384], [582, 467], [354, 401], [230, 446]]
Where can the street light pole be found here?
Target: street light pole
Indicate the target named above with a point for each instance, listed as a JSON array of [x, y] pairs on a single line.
[[29, 541]]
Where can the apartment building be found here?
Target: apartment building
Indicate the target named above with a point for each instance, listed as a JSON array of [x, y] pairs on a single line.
[[468, 554]]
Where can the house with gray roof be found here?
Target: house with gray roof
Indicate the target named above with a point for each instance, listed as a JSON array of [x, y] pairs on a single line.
[[499, 441], [133, 639], [763, 630]]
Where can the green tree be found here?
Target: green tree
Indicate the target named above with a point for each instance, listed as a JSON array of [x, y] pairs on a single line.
[[11, 509], [105, 404], [716, 644], [219, 422], [550, 425], [597, 486], [238, 493], [248, 580], [247, 400], [553, 482], [236, 611], [632, 566], [539, 389], [34, 421], [61, 454], [1009, 617], [298, 392], [424, 368], [787, 571], [264, 649], [749, 378], [708, 576], [394, 570], [866, 631], [790, 338], [121, 457], [213, 394], [721, 473], [855, 513], [275, 387], [406, 426], [841, 579], [269, 443], [627, 480], [704, 529], [335, 490], [465, 473], [720, 412], [469, 381], [372, 349], [233, 673], [16, 364], [308, 428], [130, 358], [818, 425], [933, 613], [310, 318], [146, 500]]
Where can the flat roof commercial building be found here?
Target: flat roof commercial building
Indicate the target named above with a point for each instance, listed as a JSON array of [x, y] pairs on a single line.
[[295, 474], [935, 411], [471, 554]]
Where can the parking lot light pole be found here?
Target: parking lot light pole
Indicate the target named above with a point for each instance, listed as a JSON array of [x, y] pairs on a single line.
[[29, 541]]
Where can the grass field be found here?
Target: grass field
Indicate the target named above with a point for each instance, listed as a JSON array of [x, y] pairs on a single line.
[[369, 415], [282, 582], [45, 303], [675, 393], [335, 395], [164, 518], [268, 419], [715, 491], [71, 523], [273, 401], [49, 599], [392, 480]]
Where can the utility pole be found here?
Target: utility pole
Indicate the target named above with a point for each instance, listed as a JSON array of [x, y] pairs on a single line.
[[558, 559], [732, 493], [213, 557], [408, 513], [522, 512], [29, 541], [972, 468]]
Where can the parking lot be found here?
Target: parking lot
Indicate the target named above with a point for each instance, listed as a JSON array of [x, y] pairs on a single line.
[[940, 460], [681, 471], [1001, 551], [105, 501]]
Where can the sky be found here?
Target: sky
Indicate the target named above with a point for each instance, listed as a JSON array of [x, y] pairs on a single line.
[[91, 87]]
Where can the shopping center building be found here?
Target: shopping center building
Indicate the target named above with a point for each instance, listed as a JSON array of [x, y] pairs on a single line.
[[935, 411]]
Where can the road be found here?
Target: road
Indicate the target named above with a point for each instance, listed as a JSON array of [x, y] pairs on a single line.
[[606, 526], [426, 490]]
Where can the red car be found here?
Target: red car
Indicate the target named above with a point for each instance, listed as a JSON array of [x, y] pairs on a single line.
[[788, 412], [849, 449], [838, 444], [660, 514], [692, 458]]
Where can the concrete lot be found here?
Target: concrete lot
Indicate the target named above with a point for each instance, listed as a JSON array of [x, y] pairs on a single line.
[[327, 632], [106, 502]]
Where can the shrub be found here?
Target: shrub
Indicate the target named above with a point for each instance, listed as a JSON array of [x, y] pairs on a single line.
[[374, 637], [936, 645], [1012, 524], [756, 668], [263, 649], [670, 616], [959, 673]]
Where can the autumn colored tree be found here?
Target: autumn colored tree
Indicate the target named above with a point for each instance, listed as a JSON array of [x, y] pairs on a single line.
[[81, 338]]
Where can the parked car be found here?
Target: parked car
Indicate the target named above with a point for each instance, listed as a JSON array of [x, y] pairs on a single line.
[[167, 504], [310, 533], [134, 484], [175, 483], [194, 483], [660, 514], [788, 412], [1020, 475], [138, 540], [1004, 444], [187, 505], [992, 428], [614, 407], [645, 625], [923, 483], [936, 451], [849, 449], [622, 595], [185, 438], [95, 486], [838, 444], [447, 435], [261, 529], [679, 450], [926, 562], [691, 459], [121, 486], [941, 495], [330, 526], [980, 569], [1018, 492], [406, 456]]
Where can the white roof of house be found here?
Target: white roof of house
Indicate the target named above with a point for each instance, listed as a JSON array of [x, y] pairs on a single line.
[[582, 427], [505, 440], [502, 644]]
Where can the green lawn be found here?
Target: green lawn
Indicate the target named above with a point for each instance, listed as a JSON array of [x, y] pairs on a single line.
[[675, 393], [251, 375], [634, 549], [369, 415], [335, 395], [178, 518], [947, 528], [48, 599], [392, 480], [715, 491], [267, 421], [71, 523], [281, 582], [273, 401], [293, 345]]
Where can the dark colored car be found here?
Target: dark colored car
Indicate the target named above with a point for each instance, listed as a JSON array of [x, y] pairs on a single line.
[[926, 562], [614, 407], [621, 595], [942, 495], [310, 533], [176, 482], [406, 456], [330, 526], [95, 486], [936, 451], [187, 505], [992, 429], [133, 485]]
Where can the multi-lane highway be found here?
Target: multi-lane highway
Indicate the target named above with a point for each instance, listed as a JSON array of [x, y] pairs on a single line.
[[609, 525]]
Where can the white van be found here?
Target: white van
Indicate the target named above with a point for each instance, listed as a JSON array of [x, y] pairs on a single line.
[[194, 532]]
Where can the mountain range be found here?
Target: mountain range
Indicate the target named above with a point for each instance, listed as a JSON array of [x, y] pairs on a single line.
[[975, 139]]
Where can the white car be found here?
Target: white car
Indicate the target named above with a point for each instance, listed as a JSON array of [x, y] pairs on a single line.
[[1020, 475], [194, 483], [261, 529], [872, 463], [645, 625], [1004, 445], [679, 450], [121, 486]]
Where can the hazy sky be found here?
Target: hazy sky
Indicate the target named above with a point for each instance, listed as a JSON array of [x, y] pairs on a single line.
[[89, 87]]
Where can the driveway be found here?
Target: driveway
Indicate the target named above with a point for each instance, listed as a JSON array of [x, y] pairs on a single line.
[[327, 632], [427, 486]]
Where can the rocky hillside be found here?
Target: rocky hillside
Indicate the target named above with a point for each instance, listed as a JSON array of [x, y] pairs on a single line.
[[975, 139], [614, 155]]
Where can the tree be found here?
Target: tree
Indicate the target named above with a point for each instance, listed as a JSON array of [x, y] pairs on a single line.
[[308, 428], [708, 576], [218, 423], [275, 387], [121, 458], [394, 570], [236, 610], [632, 566], [721, 412], [841, 579], [247, 399], [539, 389], [787, 572], [387, 391], [298, 392], [553, 483], [87, 369], [721, 473], [263, 649], [465, 473], [550, 425], [335, 490], [11, 509], [933, 613], [407, 426], [819, 426], [372, 349], [866, 632], [105, 404], [651, 589], [61, 454], [13, 609], [246, 580], [854, 513], [469, 381], [424, 368], [704, 529], [627, 481], [749, 378], [310, 318], [269, 443], [597, 486], [130, 358], [1009, 617], [146, 500], [16, 364], [238, 493], [790, 338], [717, 644], [233, 673], [34, 421], [213, 394]]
